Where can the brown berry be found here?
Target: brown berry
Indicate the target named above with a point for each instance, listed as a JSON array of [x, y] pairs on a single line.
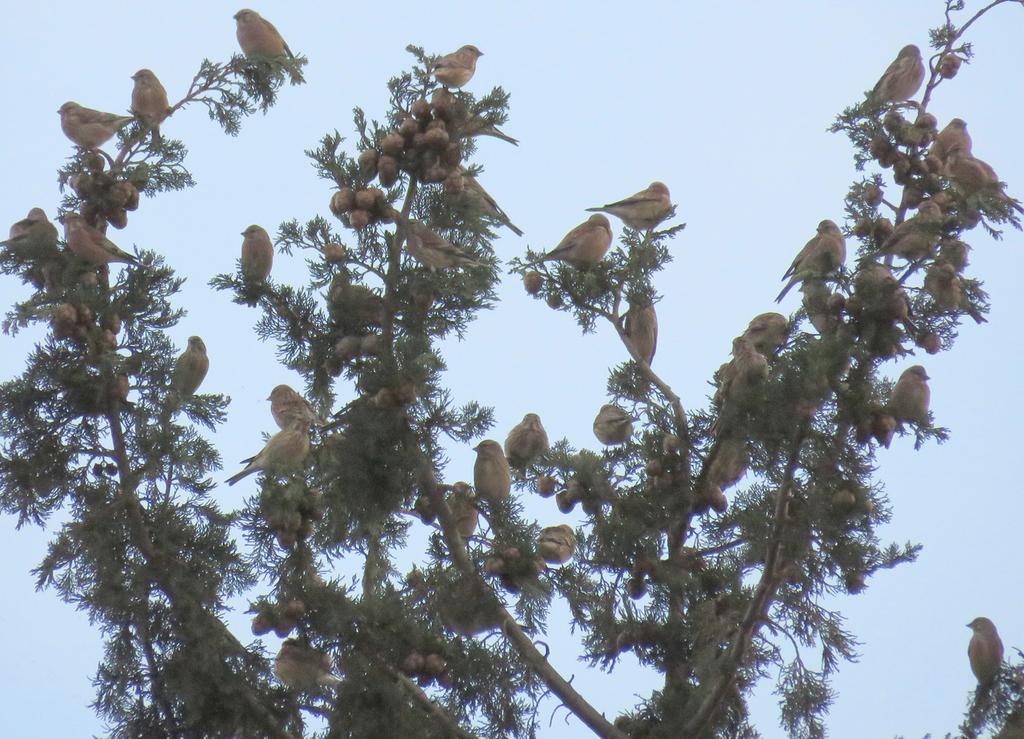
[[554, 301], [421, 109], [854, 582], [343, 201], [65, 317], [452, 155], [408, 128], [334, 253], [370, 345], [284, 627], [387, 169], [413, 664], [359, 219], [930, 342], [546, 486], [883, 229], [883, 427], [927, 121], [348, 347], [872, 195], [880, 146], [295, 609], [636, 587], [117, 217], [494, 565], [436, 138], [119, 388], [365, 199], [261, 624], [533, 282], [368, 159], [949, 65], [565, 501], [844, 499], [912, 197]]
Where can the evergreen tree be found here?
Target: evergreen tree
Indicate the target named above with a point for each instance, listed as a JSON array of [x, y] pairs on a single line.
[[711, 536]]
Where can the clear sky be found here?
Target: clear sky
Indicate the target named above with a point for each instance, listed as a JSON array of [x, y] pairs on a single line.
[[725, 102]]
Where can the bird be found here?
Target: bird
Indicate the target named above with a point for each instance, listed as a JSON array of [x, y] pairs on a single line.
[[33, 232], [747, 369], [433, 251], [476, 192], [191, 367], [88, 128], [526, 440], [901, 79], [584, 246], [492, 477], [612, 425], [149, 101], [972, 175], [985, 650], [287, 449], [466, 516], [457, 68], [943, 284], [257, 36], [916, 237], [822, 255], [911, 396], [880, 292], [953, 136], [302, 667], [556, 544], [640, 326], [257, 254], [767, 332], [475, 127], [291, 409], [642, 211], [90, 244], [359, 304]]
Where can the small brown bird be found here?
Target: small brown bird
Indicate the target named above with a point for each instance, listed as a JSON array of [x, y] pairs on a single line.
[[902, 79], [641, 328], [291, 409], [943, 284], [257, 36], [488, 205], [257, 254], [492, 477], [820, 257], [526, 440], [457, 68], [767, 332], [737, 378], [284, 450], [911, 396], [556, 544], [985, 650], [474, 127], [358, 303], [463, 509], [303, 668], [953, 136], [89, 128], [190, 368], [644, 210], [730, 463], [585, 245], [433, 251], [33, 232], [881, 293], [916, 237], [613, 426], [972, 175], [149, 101], [90, 244]]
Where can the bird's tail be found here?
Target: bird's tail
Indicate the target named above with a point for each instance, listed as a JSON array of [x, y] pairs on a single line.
[[513, 227], [789, 286]]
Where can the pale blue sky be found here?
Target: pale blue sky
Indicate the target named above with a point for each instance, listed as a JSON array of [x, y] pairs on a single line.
[[726, 103]]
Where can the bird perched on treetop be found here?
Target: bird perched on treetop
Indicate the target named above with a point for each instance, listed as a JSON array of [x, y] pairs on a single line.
[[149, 101], [457, 68], [89, 128], [821, 256], [953, 136], [612, 425], [90, 244], [985, 650], [257, 36], [642, 211], [291, 409], [286, 449], [767, 332], [191, 367], [584, 246], [34, 231], [902, 79]]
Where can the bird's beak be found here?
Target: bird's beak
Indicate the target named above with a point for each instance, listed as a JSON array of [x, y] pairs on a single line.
[[242, 233], [476, 448], [268, 397]]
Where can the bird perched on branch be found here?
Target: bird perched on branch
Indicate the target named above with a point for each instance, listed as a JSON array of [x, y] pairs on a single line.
[[90, 244], [149, 101], [457, 69], [257, 254], [953, 136], [642, 211], [985, 650], [641, 328], [911, 396], [257, 36], [584, 246], [767, 332], [191, 367], [88, 128], [492, 476], [302, 667], [34, 231], [901, 79], [526, 440], [291, 409], [284, 450], [485, 202], [916, 237], [433, 251], [612, 425], [820, 257]]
